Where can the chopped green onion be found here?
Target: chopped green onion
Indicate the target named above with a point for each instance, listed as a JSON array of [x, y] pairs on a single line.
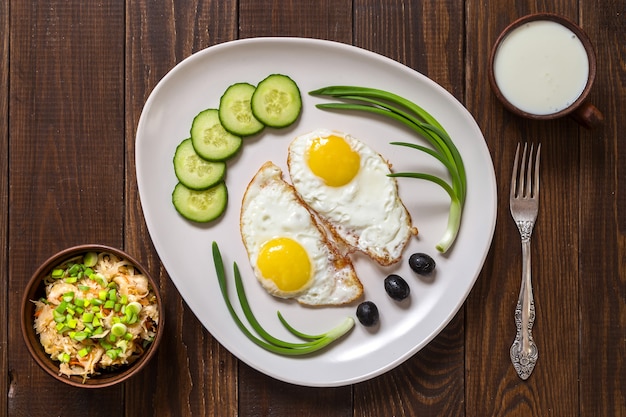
[[79, 336], [68, 296], [84, 351], [61, 327], [99, 278], [118, 329], [266, 340], [74, 269], [71, 280], [109, 304], [420, 121], [90, 259], [61, 307], [57, 273], [122, 344], [134, 307], [58, 317], [129, 318]]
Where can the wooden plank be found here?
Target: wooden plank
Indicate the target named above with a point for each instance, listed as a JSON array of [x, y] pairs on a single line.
[[322, 19], [431, 382], [192, 374], [492, 386], [258, 393], [5, 383], [66, 174], [602, 251]]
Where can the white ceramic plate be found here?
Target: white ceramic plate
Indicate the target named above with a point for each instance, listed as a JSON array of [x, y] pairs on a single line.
[[185, 248]]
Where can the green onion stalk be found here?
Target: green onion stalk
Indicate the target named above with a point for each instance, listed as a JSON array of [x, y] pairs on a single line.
[[262, 338], [420, 121]]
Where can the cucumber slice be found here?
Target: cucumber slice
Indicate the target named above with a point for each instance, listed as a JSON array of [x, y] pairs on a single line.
[[276, 102], [210, 140], [200, 206], [235, 112], [195, 172]]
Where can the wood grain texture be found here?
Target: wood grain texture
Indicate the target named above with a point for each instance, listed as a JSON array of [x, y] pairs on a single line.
[[418, 34], [192, 374], [66, 176], [74, 77], [602, 252], [260, 395], [490, 328], [429, 384], [5, 383], [322, 19]]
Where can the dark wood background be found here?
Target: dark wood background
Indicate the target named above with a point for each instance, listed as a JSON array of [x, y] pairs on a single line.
[[74, 76]]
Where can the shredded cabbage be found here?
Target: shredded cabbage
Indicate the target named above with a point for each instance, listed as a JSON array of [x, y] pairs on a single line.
[[60, 322]]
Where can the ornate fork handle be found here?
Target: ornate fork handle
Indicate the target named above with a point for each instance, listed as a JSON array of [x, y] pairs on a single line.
[[524, 350]]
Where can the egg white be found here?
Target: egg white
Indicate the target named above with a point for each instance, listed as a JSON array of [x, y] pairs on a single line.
[[366, 213], [271, 209]]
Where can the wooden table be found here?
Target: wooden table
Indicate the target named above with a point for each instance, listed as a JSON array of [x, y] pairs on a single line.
[[74, 77]]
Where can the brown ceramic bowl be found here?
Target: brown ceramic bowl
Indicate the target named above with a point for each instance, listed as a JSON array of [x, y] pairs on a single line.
[[36, 289]]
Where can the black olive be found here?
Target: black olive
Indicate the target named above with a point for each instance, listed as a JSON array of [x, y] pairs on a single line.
[[396, 287], [422, 263], [367, 313]]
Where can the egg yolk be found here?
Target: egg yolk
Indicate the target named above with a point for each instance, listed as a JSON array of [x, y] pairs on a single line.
[[285, 262], [333, 160]]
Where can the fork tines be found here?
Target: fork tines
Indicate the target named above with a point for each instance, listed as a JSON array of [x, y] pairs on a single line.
[[523, 184]]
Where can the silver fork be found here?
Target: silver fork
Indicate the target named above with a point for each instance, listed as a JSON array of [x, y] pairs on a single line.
[[524, 202]]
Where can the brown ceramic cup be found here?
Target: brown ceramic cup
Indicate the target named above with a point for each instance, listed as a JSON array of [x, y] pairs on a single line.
[[585, 113]]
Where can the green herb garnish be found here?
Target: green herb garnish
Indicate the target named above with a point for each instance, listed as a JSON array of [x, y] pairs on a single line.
[[266, 340], [419, 120]]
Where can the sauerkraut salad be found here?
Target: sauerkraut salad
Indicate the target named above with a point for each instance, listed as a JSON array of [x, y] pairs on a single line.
[[99, 313]]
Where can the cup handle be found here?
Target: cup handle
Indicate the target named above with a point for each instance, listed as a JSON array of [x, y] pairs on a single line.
[[587, 115]]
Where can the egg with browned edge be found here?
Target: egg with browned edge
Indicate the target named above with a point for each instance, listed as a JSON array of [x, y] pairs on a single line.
[[290, 255], [347, 184]]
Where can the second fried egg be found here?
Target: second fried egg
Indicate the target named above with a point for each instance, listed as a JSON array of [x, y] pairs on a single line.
[[346, 183]]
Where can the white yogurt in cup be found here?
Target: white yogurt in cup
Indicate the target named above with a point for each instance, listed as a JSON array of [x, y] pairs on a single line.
[[542, 67]]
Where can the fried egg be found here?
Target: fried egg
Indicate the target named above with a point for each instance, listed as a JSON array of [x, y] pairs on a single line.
[[346, 183], [290, 255]]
